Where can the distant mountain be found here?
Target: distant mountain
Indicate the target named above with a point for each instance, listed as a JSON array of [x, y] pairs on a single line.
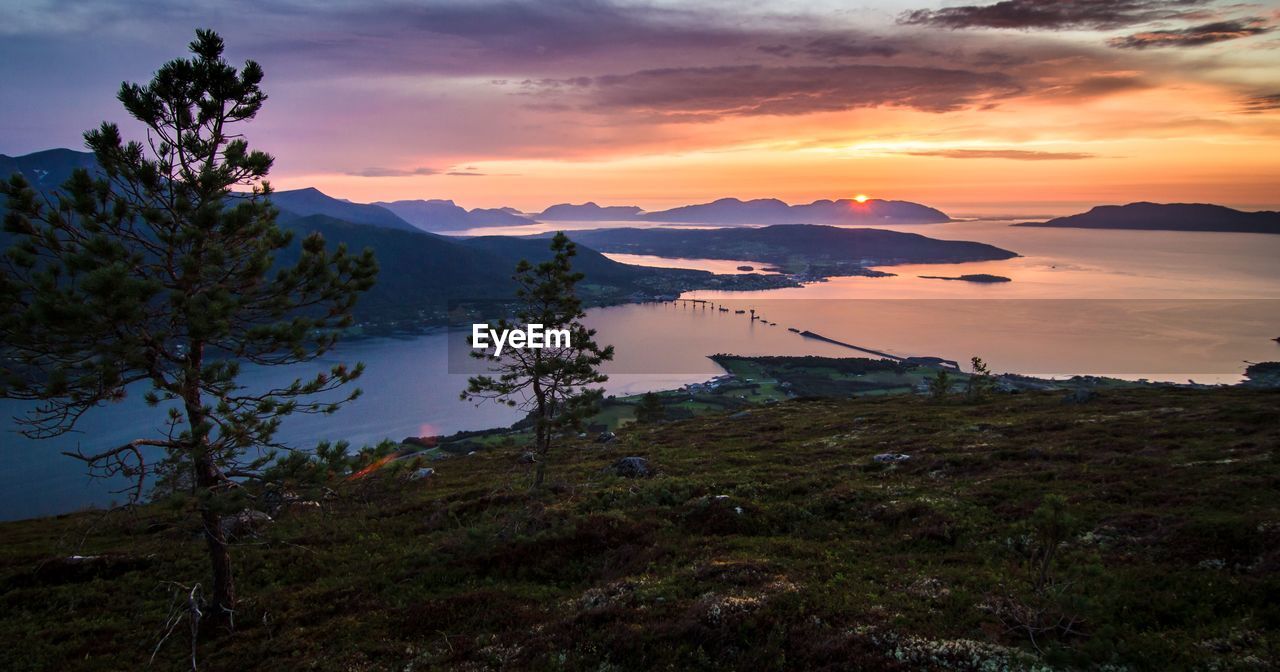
[[773, 211], [792, 245], [444, 215], [1169, 217], [312, 201], [589, 212], [47, 169]]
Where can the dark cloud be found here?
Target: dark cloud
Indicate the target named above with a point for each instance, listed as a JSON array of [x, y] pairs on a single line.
[[1054, 14], [708, 93], [1265, 103], [1195, 36], [1015, 154], [393, 172], [834, 47], [990, 58], [465, 173], [1101, 85]]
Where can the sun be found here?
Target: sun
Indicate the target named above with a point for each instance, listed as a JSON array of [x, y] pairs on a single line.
[[861, 198]]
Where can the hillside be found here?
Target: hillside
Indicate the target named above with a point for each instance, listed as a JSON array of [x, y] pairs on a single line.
[[766, 540], [422, 272], [47, 169], [311, 201], [796, 248], [1169, 217]]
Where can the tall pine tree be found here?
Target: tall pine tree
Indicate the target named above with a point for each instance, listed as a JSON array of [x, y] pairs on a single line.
[[158, 271]]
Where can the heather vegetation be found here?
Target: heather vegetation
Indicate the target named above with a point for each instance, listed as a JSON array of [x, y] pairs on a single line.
[[1139, 531]]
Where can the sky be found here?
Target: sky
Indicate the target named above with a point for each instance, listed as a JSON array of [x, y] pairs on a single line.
[[1016, 107]]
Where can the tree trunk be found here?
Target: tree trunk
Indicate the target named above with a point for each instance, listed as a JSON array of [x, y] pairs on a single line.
[[223, 602], [208, 479]]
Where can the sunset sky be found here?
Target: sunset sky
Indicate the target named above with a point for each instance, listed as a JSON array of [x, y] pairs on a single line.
[[1019, 107]]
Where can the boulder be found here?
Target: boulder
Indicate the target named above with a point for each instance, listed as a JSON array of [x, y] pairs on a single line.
[[527, 457], [419, 474], [247, 523], [891, 458], [631, 467], [606, 437]]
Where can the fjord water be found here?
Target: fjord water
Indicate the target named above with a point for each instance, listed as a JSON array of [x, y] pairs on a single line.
[[1136, 304]]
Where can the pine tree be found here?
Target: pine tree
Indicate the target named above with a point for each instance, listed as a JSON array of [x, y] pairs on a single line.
[[980, 382], [158, 271], [650, 409], [551, 383]]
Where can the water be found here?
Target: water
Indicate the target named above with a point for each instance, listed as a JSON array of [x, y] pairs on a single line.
[[1157, 305]]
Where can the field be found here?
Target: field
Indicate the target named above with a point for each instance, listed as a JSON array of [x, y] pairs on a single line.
[[1139, 530]]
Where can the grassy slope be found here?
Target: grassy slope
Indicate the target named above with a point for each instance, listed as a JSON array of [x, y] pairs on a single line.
[[833, 562]]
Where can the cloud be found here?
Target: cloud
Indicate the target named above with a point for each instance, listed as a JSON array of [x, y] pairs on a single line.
[[1265, 103], [466, 173], [834, 47], [1015, 154], [708, 93], [1101, 85], [1054, 14], [393, 172], [1195, 36]]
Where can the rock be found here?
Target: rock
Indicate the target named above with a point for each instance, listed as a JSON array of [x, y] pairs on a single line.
[[419, 474], [891, 458], [631, 467], [79, 568], [606, 437], [740, 415], [275, 501], [247, 523], [527, 457]]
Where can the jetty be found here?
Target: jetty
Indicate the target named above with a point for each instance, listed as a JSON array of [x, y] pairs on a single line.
[[937, 361]]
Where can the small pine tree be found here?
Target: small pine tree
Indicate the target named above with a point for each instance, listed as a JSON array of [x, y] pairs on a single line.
[[940, 384], [650, 409], [154, 273], [980, 382], [553, 384]]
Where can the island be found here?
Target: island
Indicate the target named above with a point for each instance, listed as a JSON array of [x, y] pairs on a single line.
[[1146, 216], [806, 252], [971, 277]]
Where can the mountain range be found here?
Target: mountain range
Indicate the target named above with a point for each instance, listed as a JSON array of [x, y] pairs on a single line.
[[1169, 217], [444, 215], [760, 211]]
